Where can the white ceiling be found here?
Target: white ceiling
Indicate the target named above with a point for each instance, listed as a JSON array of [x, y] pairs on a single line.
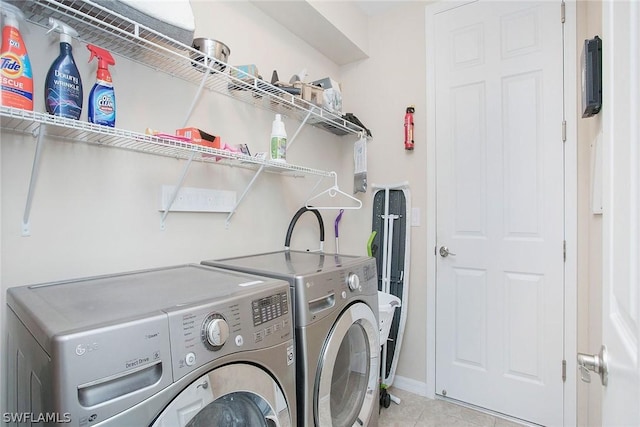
[[303, 19], [375, 7]]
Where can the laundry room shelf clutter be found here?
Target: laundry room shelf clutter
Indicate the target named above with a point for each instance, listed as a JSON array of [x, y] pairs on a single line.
[[122, 36], [28, 122]]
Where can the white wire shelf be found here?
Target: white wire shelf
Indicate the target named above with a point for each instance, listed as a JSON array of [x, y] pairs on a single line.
[[28, 122], [120, 35]]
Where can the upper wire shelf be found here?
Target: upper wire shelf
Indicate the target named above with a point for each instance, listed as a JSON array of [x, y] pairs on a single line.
[[29, 122], [118, 34]]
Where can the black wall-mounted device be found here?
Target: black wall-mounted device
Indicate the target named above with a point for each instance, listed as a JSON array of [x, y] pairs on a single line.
[[591, 77]]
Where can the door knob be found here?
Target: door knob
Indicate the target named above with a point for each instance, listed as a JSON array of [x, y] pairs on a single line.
[[444, 252], [596, 363]]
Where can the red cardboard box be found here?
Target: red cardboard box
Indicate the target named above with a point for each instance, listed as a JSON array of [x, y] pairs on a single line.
[[199, 137]]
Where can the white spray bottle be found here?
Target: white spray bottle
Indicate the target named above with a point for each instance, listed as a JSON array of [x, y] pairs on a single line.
[[278, 140]]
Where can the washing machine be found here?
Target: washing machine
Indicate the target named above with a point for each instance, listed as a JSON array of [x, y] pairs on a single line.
[[177, 346], [336, 332]]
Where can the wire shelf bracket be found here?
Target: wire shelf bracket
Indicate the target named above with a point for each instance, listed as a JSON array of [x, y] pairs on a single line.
[[242, 196], [26, 225], [176, 190]]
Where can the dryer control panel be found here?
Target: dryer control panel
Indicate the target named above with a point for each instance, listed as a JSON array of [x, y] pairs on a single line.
[[319, 295], [212, 330]]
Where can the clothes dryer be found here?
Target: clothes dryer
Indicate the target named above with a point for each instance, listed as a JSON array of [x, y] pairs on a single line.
[[336, 332], [177, 346]]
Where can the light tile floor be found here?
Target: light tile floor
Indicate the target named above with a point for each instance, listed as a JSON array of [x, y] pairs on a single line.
[[418, 411]]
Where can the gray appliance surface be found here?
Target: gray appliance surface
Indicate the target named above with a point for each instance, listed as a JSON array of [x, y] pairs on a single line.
[[319, 281], [287, 263], [119, 348], [328, 290], [91, 302]]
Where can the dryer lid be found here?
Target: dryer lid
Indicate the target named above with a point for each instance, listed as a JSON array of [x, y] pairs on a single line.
[[287, 263]]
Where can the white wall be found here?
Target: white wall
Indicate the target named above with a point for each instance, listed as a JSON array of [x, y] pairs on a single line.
[[589, 232], [95, 209], [384, 85]]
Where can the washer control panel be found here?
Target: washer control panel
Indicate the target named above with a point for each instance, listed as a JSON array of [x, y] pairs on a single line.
[[369, 271], [269, 308], [204, 332]]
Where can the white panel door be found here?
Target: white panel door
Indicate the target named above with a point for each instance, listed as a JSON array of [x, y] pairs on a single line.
[[621, 213], [499, 168]]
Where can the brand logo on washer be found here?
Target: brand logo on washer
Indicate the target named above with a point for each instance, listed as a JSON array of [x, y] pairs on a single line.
[[81, 349]]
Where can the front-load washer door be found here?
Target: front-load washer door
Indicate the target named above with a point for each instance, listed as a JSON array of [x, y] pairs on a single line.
[[347, 388], [230, 396]]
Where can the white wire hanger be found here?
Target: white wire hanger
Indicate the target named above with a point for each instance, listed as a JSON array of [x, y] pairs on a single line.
[[332, 192]]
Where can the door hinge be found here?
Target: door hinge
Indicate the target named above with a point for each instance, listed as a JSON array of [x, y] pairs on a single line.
[[564, 371], [562, 12], [564, 131], [564, 250]]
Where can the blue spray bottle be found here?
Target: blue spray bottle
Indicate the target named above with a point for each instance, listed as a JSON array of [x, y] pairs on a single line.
[[102, 98], [63, 85]]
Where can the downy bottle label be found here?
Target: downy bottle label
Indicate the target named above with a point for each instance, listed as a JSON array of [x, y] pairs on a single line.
[[63, 85]]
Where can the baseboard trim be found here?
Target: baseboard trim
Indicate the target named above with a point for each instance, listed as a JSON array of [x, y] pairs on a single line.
[[410, 385]]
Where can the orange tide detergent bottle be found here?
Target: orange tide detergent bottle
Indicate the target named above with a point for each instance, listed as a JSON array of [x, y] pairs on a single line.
[[15, 67]]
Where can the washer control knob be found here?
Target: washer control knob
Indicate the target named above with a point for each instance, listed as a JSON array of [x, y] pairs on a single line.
[[190, 359], [353, 281], [216, 332]]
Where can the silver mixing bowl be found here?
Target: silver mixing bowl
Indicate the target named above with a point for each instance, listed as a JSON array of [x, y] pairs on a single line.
[[213, 49]]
